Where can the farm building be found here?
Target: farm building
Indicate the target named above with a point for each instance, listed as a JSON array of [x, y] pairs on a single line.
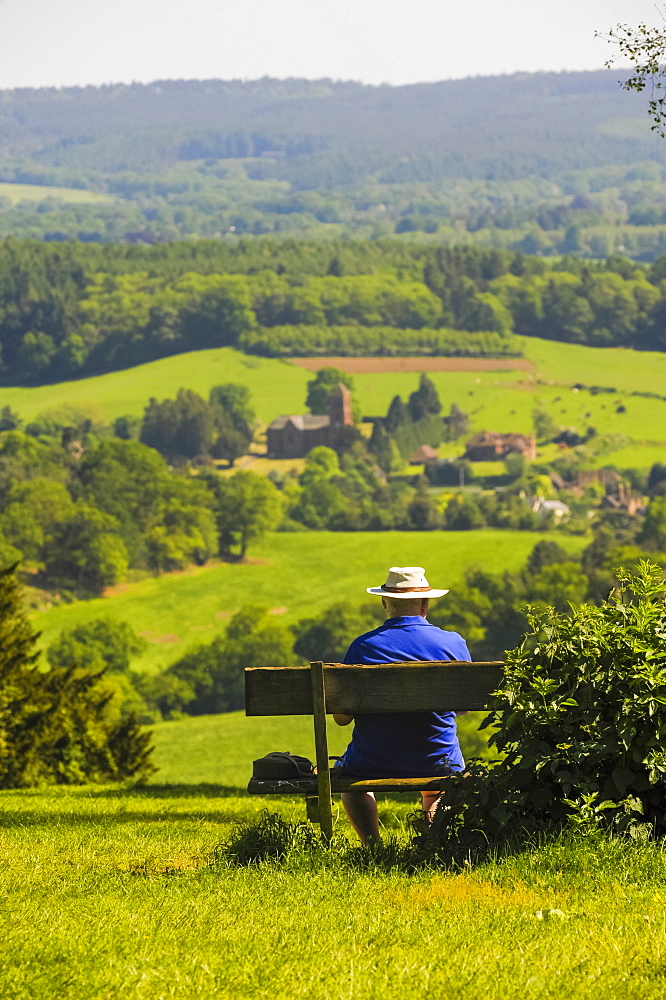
[[609, 478], [558, 509], [422, 455], [293, 436], [489, 446]]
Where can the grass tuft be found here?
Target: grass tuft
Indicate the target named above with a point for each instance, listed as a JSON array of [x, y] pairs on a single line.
[[271, 838]]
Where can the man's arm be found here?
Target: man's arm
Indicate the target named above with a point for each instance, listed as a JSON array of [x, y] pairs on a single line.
[[351, 656]]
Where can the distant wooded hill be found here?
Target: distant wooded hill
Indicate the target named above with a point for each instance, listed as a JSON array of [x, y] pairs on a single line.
[[322, 133], [546, 163]]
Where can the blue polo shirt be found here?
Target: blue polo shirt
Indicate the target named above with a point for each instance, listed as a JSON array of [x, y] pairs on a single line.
[[410, 744]]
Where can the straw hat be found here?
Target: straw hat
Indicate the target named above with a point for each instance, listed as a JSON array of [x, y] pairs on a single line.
[[406, 582]]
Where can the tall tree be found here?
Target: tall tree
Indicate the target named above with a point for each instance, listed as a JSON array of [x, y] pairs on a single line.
[[397, 414], [424, 402], [247, 506], [320, 386], [236, 400]]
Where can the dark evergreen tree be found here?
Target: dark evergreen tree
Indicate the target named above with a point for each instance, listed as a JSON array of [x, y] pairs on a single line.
[[425, 401], [397, 414], [59, 726], [379, 445], [457, 423]]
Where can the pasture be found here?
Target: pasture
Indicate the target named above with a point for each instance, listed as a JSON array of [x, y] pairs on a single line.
[[285, 574], [16, 193], [113, 893], [219, 749], [499, 399], [277, 386]]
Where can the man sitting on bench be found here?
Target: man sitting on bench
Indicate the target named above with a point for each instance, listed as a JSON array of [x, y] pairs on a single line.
[[408, 745]]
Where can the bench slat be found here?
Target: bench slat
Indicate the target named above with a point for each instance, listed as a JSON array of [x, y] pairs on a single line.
[[437, 686], [308, 786]]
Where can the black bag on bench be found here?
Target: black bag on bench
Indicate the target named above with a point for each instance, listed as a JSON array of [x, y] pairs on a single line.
[[288, 766]]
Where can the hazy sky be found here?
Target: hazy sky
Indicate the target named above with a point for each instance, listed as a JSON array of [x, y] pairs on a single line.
[[67, 42]]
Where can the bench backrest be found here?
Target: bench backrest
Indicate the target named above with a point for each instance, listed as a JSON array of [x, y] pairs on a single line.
[[443, 685]]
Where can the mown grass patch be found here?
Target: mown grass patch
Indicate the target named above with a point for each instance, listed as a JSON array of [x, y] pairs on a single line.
[[110, 893], [219, 749], [302, 572], [16, 193]]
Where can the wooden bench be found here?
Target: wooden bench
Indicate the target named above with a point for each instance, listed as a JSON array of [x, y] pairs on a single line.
[[321, 688]]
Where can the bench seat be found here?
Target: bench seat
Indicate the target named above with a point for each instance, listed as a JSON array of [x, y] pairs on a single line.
[[309, 786]]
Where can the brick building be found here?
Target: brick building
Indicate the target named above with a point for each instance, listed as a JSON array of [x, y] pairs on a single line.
[[490, 446], [294, 436]]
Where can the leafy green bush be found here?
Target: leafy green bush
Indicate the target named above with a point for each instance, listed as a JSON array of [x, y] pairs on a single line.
[[581, 719]]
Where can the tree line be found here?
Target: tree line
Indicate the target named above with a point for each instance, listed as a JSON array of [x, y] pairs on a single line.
[[576, 184], [66, 312]]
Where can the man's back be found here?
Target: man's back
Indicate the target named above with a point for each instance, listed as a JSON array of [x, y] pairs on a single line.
[[405, 744]]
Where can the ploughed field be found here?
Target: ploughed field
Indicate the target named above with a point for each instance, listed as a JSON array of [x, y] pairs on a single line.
[[294, 575], [116, 893], [357, 366]]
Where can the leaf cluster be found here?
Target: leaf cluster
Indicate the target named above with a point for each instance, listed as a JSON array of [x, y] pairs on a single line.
[[644, 46]]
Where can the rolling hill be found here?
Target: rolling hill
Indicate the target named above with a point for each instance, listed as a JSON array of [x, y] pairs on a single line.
[[513, 161], [500, 399], [285, 574]]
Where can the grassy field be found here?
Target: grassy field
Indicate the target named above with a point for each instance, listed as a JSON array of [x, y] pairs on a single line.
[[277, 386], [285, 574], [501, 400], [219, 749], [39, 192], [124, 893], [626, 370], [120, 894]]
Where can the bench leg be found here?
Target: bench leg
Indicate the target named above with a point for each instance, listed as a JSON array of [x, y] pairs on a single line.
[[321, 746], [312, 808]]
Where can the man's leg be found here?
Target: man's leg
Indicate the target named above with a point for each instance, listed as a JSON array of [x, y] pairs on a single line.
[[430, 801], [361, 808]]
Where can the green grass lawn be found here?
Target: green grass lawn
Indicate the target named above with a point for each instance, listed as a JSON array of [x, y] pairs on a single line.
[[219, 749], [294, 574], [277, 386], [634, 456], [40, 192], [626, 370], [117, 894]]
